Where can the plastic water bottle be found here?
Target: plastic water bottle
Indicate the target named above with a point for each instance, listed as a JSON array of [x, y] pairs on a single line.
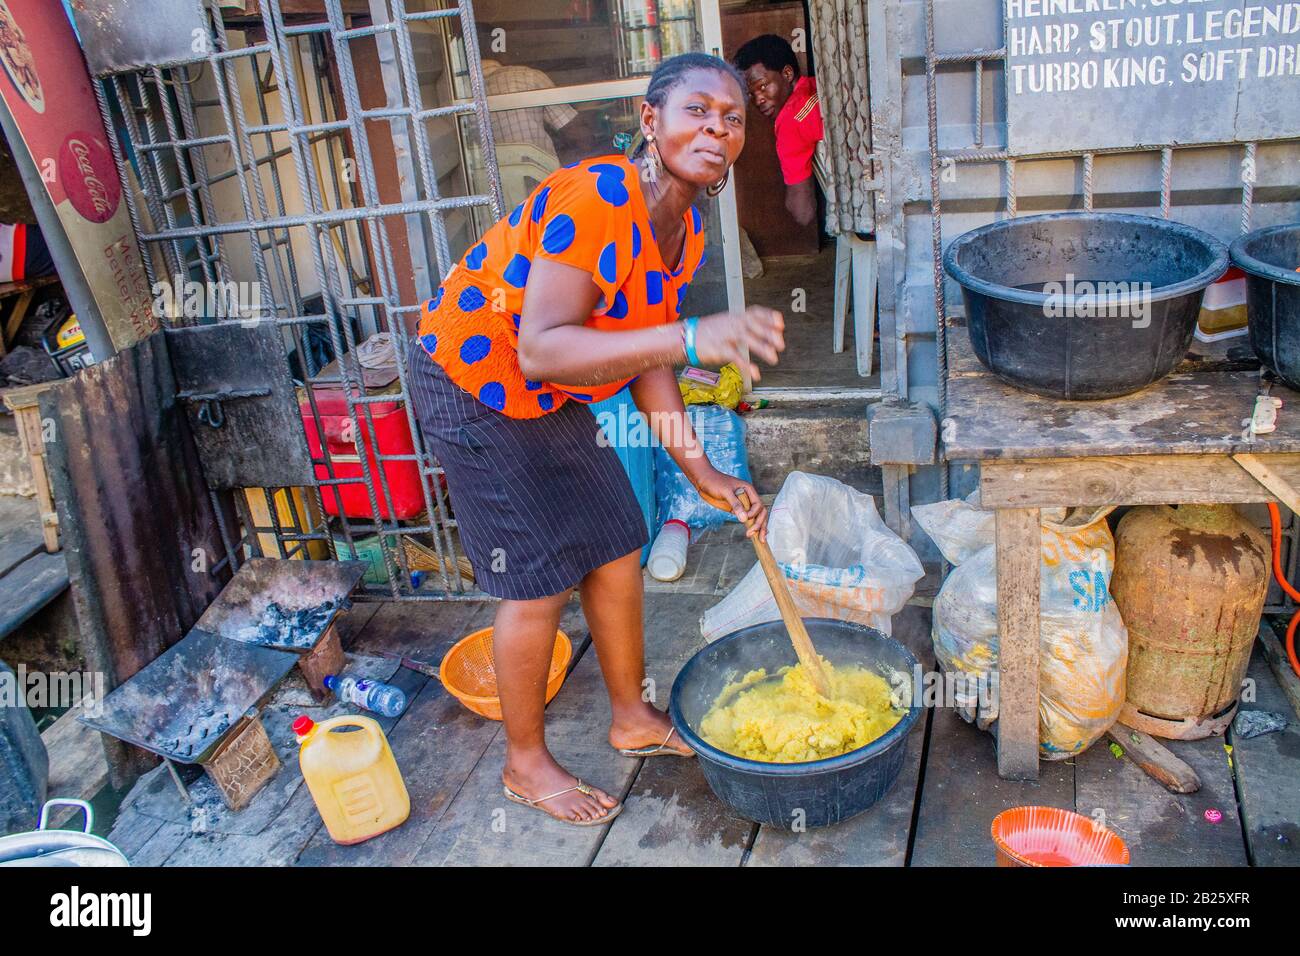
[[372, 695], [668, 556]]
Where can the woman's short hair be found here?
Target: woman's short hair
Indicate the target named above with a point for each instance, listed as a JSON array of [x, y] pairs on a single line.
[[772, 51]]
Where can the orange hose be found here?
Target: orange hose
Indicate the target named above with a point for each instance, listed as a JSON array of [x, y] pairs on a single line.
[[1275, 518]]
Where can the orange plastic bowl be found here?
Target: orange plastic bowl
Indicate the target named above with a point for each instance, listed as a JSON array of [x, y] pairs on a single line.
[[469, 675], [1050, 836]]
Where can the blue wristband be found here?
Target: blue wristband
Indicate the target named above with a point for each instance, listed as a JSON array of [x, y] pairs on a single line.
[[689, 325]]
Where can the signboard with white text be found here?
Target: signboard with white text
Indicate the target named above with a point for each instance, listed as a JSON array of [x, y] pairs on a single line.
[[1098, 74]]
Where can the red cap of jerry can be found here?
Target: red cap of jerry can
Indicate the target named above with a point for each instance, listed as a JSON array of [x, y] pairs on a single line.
[[303, 725]]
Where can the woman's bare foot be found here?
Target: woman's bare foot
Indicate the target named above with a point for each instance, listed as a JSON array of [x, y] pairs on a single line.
[[645, 726], [536, 774]]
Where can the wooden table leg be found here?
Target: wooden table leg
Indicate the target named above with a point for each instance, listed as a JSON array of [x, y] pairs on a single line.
[[1018, 557]]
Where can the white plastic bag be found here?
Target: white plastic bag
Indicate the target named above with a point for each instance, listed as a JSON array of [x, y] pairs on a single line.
[[1084, 645], [839, 557]]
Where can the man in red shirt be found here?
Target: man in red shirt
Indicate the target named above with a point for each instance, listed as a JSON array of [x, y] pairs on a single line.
[[790, 100]]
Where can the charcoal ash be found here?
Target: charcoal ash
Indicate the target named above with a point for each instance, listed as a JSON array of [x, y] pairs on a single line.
[[282, 627]]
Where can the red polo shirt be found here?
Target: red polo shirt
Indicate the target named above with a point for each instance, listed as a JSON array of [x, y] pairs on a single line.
[[798, 131]]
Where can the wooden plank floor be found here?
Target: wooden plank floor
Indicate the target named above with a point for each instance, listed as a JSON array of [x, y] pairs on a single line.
[[937, 814]]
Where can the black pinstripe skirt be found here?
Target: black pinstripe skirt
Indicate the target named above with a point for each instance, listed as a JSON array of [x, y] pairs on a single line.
[[539, 502]]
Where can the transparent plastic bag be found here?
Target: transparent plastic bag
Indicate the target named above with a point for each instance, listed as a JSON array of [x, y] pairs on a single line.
[[839, 557], [1083, 653], [722, 435]]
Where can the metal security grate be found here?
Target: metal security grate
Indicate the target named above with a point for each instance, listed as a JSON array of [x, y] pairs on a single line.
[[255, 162]]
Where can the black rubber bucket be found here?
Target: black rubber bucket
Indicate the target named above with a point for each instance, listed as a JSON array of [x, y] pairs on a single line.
[[1083, 305], [817, 793], [1269, 257]]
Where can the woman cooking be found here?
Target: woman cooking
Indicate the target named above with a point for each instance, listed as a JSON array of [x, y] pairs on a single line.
[[573, 296]]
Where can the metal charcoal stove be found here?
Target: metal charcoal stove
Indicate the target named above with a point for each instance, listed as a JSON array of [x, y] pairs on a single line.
[[288, 606], [197, 703]]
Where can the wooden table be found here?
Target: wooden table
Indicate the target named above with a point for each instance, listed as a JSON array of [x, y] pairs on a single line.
[[1177, 441]]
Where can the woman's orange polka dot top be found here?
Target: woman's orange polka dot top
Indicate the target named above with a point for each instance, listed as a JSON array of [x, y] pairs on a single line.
[[592, 216]]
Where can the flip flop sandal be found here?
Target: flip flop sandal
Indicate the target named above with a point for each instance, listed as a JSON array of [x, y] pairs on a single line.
[[580, 787], [655, 750]]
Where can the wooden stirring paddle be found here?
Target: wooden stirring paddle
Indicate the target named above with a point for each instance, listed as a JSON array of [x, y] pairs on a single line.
[[803, 645]]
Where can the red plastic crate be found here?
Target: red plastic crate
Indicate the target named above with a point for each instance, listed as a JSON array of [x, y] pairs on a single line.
[[393, 433]]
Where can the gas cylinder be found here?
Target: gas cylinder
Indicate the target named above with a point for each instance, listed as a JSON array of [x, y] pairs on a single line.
[[1190, 584]]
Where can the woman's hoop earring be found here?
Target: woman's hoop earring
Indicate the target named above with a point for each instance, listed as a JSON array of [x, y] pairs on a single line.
[[717, 188], [653, 162]]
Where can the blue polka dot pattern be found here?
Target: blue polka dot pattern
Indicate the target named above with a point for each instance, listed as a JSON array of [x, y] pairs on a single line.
[[591, 217], [558, 234], [471, 298], [517, 271], [608, 264], [609, 183], [475, 349], [493, 395], [539, 204], [474, 258], [619, 309]]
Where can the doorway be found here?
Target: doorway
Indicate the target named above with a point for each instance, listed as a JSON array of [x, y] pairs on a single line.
[[786, 265]]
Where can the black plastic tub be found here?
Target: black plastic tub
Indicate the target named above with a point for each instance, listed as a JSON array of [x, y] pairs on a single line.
[[817, 793], [1083, 305], [1269, 257]]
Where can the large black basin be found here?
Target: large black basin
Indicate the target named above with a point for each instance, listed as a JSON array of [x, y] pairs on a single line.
[[813, 794], [1270, 257], [1083, 305]]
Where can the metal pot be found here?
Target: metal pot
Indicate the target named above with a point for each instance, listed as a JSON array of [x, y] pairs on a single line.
[[46, 847]]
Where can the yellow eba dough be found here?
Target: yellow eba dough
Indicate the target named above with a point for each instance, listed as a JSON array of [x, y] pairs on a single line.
[[786, 721]]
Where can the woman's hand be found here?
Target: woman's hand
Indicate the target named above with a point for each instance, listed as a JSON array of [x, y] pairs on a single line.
[[724, 492], [735, 336]]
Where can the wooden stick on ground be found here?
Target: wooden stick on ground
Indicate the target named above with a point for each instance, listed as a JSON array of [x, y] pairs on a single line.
[[1156, 759]]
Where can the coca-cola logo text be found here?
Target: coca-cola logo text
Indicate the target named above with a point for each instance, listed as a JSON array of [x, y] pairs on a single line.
[[89, 176]]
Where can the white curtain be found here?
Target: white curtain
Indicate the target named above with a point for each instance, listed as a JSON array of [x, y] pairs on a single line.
[[839, 43]]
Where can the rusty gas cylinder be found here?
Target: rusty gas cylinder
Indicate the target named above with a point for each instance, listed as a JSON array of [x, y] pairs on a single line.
[[1190, 584]]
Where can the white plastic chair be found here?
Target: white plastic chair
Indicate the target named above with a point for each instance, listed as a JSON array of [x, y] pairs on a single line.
[[522, 166], [855, 270]]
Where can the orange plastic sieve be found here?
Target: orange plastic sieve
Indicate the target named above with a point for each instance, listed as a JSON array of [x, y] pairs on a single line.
[[470, 676]]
